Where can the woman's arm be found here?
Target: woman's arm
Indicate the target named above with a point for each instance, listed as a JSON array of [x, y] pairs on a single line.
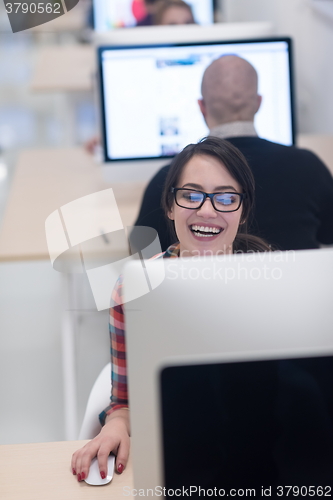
[[114, 435]]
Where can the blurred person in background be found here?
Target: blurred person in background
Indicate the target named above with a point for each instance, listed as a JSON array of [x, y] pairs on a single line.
[[170, 12], [150, 7]]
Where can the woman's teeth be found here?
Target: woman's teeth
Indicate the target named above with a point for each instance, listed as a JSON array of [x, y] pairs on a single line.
[[205, 231]]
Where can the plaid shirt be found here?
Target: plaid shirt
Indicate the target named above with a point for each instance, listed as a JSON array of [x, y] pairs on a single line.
[[119, 395]]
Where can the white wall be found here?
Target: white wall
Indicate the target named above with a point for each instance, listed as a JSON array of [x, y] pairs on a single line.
[[313, 42]]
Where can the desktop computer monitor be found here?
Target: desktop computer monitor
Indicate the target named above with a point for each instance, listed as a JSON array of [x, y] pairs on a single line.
[[149, 94], [113, 14], [256, 329], [249, 425]]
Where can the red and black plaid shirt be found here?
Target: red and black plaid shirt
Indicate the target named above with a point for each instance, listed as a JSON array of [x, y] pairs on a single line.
[[119, 392]]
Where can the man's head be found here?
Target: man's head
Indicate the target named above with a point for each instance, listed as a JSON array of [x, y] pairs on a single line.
[[229, 91]]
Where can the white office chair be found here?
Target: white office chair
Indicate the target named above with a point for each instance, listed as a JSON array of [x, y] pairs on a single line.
[[98, 400]]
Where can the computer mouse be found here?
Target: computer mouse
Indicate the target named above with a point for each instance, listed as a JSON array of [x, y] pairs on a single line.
[[94, 476]]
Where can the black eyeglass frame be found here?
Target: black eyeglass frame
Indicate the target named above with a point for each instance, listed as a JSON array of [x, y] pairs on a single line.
[[207, 195]]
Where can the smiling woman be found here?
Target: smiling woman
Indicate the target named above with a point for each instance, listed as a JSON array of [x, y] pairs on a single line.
[[208, 198]]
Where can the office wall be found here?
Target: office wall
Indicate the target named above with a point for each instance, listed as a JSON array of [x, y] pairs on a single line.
[[313, 36]]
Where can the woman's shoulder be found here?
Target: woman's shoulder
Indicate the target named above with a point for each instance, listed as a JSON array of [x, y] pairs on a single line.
[[171, 252]]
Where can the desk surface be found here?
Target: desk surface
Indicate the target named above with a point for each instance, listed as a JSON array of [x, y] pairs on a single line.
[[74, 20], [44, 181], [41, 471], [64, 68]]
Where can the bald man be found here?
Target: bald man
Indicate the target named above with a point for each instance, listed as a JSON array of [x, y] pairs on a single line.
[[294, 189], [230, 96]]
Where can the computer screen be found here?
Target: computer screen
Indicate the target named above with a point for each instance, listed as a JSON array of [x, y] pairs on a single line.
[[127, 13], [149, 94], [248, 425]]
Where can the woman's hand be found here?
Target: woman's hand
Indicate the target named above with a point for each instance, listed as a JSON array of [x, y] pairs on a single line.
[[114, 437]]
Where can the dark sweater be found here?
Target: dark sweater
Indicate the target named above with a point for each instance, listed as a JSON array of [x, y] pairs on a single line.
[[293, 200]]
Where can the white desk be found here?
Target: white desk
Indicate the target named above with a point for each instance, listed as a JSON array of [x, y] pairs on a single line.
[[71, 22], [45, 180], [41, 471], [64, 68]]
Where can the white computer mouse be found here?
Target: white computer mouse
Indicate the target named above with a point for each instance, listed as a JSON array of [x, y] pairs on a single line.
[[94, 476]]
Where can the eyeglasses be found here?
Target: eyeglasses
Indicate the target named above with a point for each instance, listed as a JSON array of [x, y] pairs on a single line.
[[193, 199]]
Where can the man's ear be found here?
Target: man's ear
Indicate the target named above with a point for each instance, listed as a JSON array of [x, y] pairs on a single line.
[[259, 101], [202, 107]]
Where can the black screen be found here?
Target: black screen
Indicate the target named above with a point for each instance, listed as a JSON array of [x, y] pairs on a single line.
[[249, 425]]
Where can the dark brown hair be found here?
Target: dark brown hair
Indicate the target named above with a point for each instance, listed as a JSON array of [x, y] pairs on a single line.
[[238, 168]]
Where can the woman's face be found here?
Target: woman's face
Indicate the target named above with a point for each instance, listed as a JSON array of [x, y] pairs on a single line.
[[208, 174], [176, 15]]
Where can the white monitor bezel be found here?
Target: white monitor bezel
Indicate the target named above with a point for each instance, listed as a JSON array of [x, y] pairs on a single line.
[[209, 15]]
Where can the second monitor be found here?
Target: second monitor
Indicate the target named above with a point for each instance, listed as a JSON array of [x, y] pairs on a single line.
[[149, 94], [127, 13]]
